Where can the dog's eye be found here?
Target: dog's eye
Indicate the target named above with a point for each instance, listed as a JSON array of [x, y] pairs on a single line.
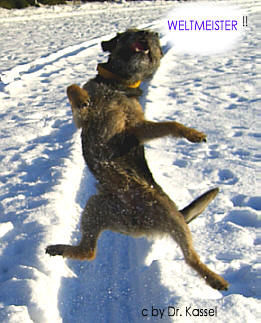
[[85, 104]]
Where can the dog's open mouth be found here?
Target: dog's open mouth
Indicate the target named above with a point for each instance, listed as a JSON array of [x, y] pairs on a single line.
[[140, 47]]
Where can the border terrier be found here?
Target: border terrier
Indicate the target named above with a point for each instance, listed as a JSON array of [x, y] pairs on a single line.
[[114, 131]]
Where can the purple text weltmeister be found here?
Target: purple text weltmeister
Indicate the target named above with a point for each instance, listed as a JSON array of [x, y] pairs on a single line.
[[202, 25]]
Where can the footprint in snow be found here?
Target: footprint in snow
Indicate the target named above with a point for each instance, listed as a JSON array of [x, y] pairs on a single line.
[[227, 177], [253, 202], [232, 106], [214, 151], [241, 153], [244, 218], [256, 135], [180, 163], [233, 95]]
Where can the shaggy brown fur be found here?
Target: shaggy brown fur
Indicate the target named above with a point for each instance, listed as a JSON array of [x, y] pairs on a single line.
[[114, 129]]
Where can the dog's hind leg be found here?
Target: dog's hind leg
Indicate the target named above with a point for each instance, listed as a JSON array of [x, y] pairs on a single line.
[[180, 232], [195, 208], [92, 224], [79, 252]]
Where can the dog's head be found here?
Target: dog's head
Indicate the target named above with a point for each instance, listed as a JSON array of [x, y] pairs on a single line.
[[134, 54]]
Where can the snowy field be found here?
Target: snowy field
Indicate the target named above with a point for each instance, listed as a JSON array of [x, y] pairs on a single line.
[[44, 183]]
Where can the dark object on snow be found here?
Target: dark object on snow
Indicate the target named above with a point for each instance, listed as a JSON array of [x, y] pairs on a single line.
[[20, 4], [114, 130]]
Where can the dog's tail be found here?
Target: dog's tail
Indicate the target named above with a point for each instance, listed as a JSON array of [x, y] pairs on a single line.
[[195, 208]]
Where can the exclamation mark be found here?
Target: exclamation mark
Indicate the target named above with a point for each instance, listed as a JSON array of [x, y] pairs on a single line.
[[244, 21]]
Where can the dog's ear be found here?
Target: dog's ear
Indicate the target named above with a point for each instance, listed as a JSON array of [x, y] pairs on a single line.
[[109, 45], [161, 51]]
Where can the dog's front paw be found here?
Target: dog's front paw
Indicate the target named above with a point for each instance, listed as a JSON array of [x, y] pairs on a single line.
[[55, 250], [196, 136]]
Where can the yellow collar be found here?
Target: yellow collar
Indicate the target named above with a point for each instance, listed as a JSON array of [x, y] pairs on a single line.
[[111, 76]]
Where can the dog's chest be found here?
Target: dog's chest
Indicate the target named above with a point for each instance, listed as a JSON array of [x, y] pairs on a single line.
[[111, 117]]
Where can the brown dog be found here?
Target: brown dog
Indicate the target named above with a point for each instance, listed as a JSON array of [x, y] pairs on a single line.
[[114, 129]]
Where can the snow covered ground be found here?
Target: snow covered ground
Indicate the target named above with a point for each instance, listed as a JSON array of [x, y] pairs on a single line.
[[45, 184]]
